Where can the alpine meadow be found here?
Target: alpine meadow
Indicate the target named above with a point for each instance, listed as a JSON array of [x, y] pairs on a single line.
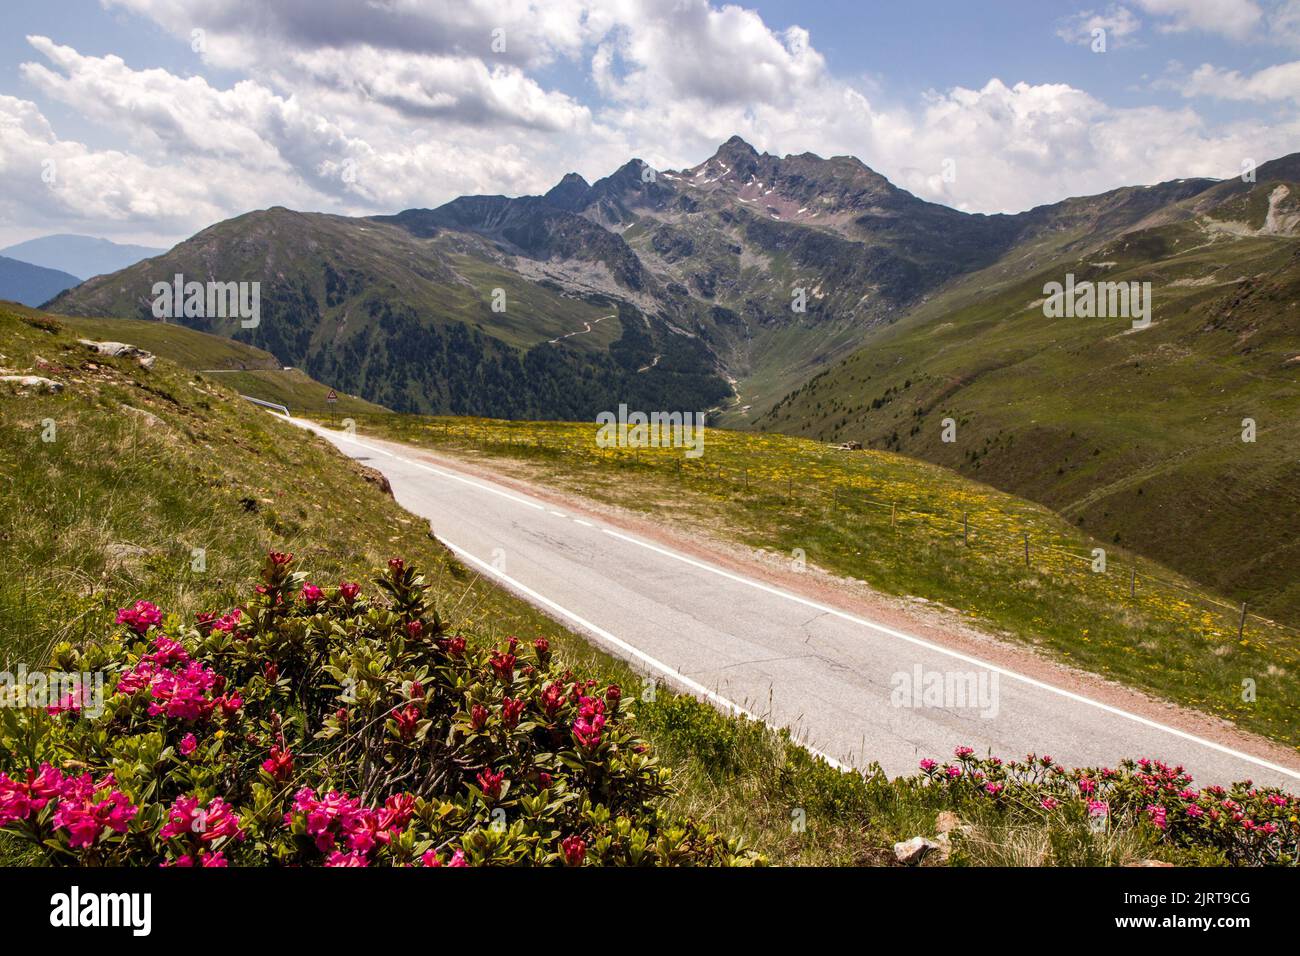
[[607, 433]]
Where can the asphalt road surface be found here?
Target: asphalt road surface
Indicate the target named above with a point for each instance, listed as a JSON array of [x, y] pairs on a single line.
[[837, 680]]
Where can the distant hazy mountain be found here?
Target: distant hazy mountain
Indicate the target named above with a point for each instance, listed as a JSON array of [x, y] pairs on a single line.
[[82, 256], [29, 284]]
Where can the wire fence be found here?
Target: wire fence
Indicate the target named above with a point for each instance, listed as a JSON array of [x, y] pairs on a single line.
[[1005, 533]]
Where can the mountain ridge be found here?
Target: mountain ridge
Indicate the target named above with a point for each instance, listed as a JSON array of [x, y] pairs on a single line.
[[712, 256], [812, 296]]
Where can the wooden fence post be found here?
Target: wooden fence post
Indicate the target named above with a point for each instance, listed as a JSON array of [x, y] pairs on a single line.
[[1026, 549], [965, 528], [1241, 626]]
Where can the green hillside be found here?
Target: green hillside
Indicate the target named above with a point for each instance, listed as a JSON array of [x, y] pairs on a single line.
[[142, 467], [248, 370], [720, 286], [177, 343], [1135, 436], [919, 530], [416, 316]]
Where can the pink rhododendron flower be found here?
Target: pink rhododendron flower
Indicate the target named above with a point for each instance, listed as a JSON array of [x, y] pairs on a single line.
[[140, 616], [588, 727], [504, 665], [188, 743], [84, 815], [430, 858], [490, 783], [178, 685], [205, 858], [311, 594], [209, 824], [575, 850], [407, 720], [397, 812], [339, 858], [230, 622], [68, 703], [338, 818], [279, 765], [510, 711], [553, 698], [20, 798]]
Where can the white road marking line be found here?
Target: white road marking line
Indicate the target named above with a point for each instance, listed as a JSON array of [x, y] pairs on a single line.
[[921, 642], [693, 685], [585, 524], [891, 632], [559, 514], [418, 464]]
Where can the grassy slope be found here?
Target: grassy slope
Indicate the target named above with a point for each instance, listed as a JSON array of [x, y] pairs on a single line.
[[246, 369], [1133, 436], [146, 466], [1165, 641], [186, 347], [409, 322], [534, 313], [447, 278]]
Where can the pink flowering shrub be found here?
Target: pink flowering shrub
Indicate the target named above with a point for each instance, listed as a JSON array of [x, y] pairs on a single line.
[[321, 725], [86, 815], [1244, 824]]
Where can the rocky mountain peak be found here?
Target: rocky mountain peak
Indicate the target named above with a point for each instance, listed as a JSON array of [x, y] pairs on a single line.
[[569, 193], [734, 159], [735, 146]]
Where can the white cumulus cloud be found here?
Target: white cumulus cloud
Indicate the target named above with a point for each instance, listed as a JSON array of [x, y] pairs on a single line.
[[374, 107]]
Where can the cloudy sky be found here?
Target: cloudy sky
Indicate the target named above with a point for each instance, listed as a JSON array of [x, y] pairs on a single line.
[[146, 120]]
